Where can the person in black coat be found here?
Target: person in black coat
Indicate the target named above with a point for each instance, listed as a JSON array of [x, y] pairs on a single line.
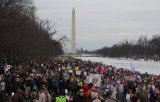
[[80, 96]]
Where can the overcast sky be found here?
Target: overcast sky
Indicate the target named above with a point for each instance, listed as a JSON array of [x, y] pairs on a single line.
[[102, 22]]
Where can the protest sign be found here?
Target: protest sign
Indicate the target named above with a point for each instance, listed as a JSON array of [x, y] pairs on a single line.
[[7, 67], [76, 68], [63, 67], [68, 66], [78, 72], [95, 79], [70, 71], [85, 73], [130, 78], [139, 78], [87, 79]]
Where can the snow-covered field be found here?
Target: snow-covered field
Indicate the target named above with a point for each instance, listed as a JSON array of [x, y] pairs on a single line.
[[140, 65]]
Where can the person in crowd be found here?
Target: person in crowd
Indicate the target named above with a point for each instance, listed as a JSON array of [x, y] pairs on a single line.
[[80, 96], [55, 84], [48, 96], [60, 73], [19, 95], [2, 90], [126, 91], [87, 92], [120, 89], [28, 85], [134, 97], [42, 94], [96, 98], [144, 96], [152, 97], [129, 95], [34, 95]]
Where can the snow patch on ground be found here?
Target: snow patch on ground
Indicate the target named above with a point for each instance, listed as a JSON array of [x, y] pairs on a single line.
[[140, 65]]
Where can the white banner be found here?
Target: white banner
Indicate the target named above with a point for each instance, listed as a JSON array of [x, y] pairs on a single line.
[[78, 72], [131, 78], [70, 71], [7, 67], [95, 79]]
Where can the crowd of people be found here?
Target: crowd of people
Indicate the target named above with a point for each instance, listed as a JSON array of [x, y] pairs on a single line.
[[65, 79]]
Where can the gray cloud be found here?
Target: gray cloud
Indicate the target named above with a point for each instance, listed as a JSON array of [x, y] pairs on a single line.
[[102, 22]]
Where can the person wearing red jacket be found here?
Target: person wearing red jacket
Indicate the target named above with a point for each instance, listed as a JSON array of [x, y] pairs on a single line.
[[87, 92]]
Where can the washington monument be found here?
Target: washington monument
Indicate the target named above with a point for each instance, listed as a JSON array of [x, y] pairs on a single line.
[[73, 39]]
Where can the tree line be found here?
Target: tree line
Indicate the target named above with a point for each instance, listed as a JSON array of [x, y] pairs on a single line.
[[142, 48], [22, 33]]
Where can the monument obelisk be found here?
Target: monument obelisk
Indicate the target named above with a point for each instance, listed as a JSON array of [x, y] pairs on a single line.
[[73, 39]]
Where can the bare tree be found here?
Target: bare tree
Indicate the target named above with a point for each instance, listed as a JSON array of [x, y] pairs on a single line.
[[23, 34]]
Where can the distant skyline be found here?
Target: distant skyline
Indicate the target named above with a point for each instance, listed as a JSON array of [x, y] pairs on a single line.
[[102, 23]]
